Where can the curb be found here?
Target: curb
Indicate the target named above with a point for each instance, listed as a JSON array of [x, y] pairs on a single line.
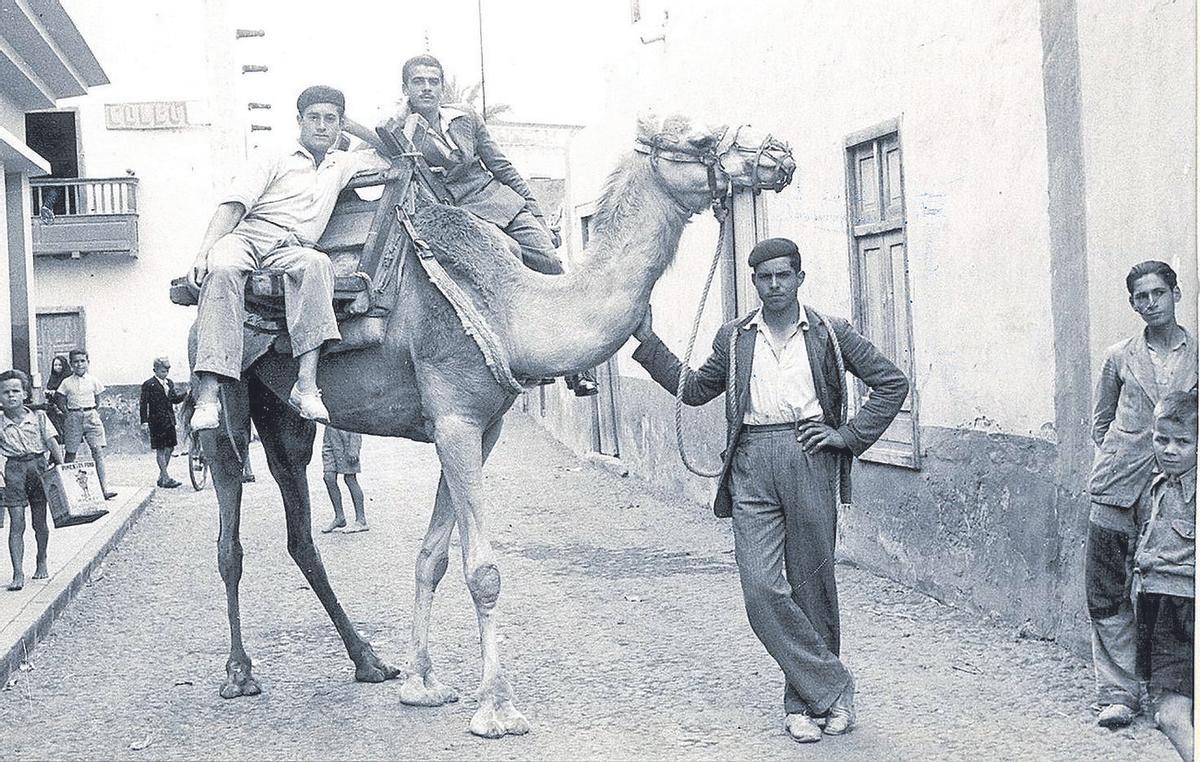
[[26, 632]]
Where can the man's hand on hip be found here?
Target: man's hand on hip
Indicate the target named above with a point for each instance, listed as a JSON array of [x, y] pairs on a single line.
[[814, 436]]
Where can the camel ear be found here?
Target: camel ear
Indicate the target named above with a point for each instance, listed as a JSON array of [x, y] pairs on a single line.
[[648, 126]]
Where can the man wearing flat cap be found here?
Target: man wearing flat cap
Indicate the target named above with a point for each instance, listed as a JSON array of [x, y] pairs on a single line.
[[271, 218], [789, 448]]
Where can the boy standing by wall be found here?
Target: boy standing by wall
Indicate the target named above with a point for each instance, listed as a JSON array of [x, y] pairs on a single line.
[[1165, 567], [81, 393], [1137, 373], [26, 437]]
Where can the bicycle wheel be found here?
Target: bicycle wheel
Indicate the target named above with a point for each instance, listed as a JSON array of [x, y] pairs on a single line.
[[197, 468]]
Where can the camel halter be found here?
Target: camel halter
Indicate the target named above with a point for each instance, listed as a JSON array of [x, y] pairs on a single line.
[[771, 152]]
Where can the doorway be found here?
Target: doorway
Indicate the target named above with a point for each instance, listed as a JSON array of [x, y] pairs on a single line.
[[54, 135], [59, 331]]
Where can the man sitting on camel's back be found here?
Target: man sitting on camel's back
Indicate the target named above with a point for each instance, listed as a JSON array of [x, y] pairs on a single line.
[[271, 218]]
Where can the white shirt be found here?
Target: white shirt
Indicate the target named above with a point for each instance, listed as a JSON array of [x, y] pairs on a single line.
[[81, 391], [291, 191], [782, 389]]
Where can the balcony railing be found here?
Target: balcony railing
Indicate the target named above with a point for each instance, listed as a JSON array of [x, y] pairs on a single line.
[[74, 216]]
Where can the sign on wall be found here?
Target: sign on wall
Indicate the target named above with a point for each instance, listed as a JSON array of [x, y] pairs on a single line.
[[149, 115]]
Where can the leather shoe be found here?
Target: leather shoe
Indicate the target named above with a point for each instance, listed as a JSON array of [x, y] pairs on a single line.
[[169, 483], [207, 415], [1115, 716], [841, 717], [109, 495], [309, 406], [582, 386], [802, 728]]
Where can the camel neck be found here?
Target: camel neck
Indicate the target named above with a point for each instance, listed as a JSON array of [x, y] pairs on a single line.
[[583, 317]]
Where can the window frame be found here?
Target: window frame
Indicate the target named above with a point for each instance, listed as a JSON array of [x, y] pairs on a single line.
[[891, 219]]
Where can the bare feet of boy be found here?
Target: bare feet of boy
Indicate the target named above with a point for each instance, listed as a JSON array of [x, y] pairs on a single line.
[[41, 572], [358, 526], [335, 524], [18, 583]]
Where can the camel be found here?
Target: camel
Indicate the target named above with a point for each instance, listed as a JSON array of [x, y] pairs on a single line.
[[429, 382]]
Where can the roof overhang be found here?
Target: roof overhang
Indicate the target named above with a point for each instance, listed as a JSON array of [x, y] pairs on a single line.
[[43, 57], [18, 157]]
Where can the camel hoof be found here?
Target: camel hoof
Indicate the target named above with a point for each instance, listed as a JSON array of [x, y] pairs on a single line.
[[492, 721], [239, 682], [426, 691], [369, 668]]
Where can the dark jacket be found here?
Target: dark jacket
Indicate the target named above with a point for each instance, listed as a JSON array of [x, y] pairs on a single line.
[[888, 385], [156, 405], [478, 175], [1125, 398]]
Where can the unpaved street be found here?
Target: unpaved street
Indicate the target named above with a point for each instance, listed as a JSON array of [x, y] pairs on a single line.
[[622, 624]]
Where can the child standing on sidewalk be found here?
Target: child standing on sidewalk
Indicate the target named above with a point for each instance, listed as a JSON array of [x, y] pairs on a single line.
[[340, 455], [81, 392], [26, 437], [1164, 568]]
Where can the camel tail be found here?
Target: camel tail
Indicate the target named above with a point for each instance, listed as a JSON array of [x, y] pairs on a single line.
[[186, 408]]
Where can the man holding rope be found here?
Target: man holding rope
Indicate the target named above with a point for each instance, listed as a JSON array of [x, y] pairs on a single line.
[[788, 456]]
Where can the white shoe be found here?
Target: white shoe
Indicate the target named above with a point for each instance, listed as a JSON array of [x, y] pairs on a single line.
[[207, 415], [309, 406], [802, 728]]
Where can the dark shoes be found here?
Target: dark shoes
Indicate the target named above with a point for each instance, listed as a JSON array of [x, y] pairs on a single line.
[[109, 495], [169, 483], [582, 384]]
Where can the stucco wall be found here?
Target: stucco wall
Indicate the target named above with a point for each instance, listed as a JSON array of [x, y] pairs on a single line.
[[150, 53], [986, 523], [1138, 76]]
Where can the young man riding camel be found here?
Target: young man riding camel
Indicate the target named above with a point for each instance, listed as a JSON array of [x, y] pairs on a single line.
[[457, 146], [272, 217]]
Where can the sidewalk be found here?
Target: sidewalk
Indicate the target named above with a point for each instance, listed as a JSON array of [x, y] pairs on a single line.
[[27, 615]]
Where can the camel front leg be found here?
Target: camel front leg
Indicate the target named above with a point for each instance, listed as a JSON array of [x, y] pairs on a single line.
[[421, 688], [287, 440], [460, 449]]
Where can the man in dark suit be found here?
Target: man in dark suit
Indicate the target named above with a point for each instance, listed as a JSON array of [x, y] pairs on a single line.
[[1137, 373], [789, 449], [157, 412]]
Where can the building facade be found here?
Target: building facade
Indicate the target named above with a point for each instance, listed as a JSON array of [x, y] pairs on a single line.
[[43, 59], [972, 188]]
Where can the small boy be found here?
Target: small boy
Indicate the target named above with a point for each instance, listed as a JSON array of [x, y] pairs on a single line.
[[1165, 565], [25, 438], [340, 455], [81, 391]]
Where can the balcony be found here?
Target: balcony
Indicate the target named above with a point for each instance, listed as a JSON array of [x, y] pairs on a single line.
[[76, 216]]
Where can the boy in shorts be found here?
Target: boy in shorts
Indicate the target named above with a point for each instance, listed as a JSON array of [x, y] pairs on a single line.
[[80, 391], [26, 436], [339, 455], [1164, 567]]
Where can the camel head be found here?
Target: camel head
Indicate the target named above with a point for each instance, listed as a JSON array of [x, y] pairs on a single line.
[[701, 164]]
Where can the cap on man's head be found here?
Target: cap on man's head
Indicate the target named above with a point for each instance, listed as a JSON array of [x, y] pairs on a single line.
[[773, 248], [321, 94]]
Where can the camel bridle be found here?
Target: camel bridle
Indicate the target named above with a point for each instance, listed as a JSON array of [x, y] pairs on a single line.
[[770, 153]]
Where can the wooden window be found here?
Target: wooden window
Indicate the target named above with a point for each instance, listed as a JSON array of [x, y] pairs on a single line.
[[879, 273]]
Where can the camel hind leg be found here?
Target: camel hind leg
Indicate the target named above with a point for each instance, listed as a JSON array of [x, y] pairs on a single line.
[[223, 448], [288, 441]]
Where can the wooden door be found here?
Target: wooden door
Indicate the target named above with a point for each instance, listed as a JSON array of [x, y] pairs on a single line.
[[58, 332]]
